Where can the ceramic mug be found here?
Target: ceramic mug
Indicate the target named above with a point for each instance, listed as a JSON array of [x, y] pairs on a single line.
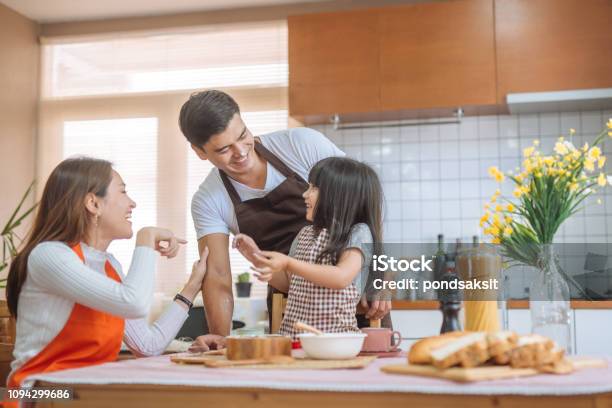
[[379, 339]]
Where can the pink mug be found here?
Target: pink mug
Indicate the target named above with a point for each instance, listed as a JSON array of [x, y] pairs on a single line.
[[379, 339]]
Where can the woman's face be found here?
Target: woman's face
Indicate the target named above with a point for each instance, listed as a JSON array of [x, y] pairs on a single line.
[[116, 211], [311, 197]]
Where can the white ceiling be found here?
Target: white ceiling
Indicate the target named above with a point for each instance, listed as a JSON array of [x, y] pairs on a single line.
[[50, 11]]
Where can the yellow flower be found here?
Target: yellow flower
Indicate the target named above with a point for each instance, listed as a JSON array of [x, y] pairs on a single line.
[[495, 231], [599, 201], [499, 208], [589, 165], [525, 189], [496, 174], [517, 192], [610, 123], [508, 231], [484, 219], [536, 142], [549, 160], [528, 151], [572, 131], [575, 154], [508, 219], [573, 187], [602, 180], [495, 241], [486, 206], [594, 153], [561, 148], [585, 147], [510, 207], [601, 161]]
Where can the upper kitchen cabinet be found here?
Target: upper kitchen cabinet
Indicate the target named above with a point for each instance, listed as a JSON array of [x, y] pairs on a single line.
[[333, 63], [552, 45], [437, 55]]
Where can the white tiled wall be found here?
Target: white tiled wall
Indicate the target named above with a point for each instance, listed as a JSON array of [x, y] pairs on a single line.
[[435, 176]]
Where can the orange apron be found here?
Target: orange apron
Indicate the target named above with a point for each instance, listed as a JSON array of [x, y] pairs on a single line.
[[89, 337]]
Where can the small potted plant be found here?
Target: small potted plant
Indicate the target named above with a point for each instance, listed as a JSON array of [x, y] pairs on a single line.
[[243, 286]]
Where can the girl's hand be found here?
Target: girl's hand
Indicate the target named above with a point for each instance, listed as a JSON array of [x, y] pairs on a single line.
[[160, 239], [247, 247], [271, 263]]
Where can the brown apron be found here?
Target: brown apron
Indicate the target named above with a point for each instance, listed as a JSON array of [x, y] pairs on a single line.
[[274, 220]]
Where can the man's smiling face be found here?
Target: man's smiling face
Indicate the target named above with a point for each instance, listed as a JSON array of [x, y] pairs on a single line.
[[230, 150]]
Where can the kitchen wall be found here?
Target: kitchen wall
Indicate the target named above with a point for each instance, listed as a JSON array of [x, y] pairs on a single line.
[[19, 63], [435, 177]]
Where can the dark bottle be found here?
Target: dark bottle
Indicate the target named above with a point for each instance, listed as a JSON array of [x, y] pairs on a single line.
[[440, 258], [475, 241]]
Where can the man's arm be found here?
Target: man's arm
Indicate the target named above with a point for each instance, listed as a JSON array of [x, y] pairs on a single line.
[[217, 285]]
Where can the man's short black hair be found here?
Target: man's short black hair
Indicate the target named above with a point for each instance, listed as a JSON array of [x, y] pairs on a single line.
[[206, 114]]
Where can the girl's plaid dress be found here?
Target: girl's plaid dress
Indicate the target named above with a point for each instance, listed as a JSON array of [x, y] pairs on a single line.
[[329, 310]]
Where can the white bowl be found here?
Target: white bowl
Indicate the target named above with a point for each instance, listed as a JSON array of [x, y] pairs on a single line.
[[332, 346]]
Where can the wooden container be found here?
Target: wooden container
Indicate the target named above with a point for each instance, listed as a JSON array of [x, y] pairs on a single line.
[[257, 347]]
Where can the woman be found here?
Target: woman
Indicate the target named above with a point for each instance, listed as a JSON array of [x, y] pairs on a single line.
[[72, 302]]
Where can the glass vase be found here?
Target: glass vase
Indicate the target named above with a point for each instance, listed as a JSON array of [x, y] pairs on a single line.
[[549, 300]]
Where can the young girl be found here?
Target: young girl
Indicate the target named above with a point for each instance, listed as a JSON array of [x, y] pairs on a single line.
[[73, 304], [329, 261]]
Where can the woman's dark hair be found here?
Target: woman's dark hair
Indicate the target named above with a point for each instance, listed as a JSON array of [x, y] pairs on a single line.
[[349, 193], [206, 114], [61, 214]]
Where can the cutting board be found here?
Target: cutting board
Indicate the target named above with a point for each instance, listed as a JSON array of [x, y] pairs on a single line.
[[218, 361], [481, 373]]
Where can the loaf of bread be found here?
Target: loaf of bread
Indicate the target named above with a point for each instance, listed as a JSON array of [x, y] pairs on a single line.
[[501, 345], [534, 351], [257, 347], [420, 352], [469, 350]]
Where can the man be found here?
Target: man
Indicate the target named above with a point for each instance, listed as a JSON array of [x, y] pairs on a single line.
[[256, 189]]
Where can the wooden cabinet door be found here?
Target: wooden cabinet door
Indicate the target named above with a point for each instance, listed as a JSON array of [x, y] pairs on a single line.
[[333, 63], [553, 45], [437, 55]]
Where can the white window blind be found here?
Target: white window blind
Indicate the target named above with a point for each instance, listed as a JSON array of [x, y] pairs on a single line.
[[118, 96], [241, 55], [197, 170], [131, 145]]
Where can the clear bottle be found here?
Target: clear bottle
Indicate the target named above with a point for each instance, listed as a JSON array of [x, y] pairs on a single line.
[[549, 300]]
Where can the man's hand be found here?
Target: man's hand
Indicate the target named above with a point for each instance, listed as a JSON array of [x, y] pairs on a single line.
[[377, 310], [207, 342]]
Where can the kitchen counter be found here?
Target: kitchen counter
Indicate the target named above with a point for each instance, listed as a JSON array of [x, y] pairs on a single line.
[[157, 382], [512, 304]]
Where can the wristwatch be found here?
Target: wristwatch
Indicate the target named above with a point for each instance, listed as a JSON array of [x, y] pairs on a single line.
[[184, 300]]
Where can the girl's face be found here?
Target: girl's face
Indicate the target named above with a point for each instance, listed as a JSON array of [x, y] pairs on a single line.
[[115, 211], [311, 197]]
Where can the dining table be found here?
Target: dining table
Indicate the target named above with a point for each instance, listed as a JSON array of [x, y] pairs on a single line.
[[159, 382]]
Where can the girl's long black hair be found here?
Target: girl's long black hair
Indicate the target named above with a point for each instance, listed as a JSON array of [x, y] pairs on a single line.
[[349, 193]]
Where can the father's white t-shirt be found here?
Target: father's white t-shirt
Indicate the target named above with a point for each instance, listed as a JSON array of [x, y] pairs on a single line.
[[299, 148]]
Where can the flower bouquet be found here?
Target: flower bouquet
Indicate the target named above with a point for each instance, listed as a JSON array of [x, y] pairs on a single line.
[[548, 189]]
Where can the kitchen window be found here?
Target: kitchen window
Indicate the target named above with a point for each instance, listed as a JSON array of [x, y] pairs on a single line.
[[118, 97]]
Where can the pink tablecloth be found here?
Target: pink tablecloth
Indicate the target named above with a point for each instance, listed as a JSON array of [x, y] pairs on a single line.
[[160, 370]]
